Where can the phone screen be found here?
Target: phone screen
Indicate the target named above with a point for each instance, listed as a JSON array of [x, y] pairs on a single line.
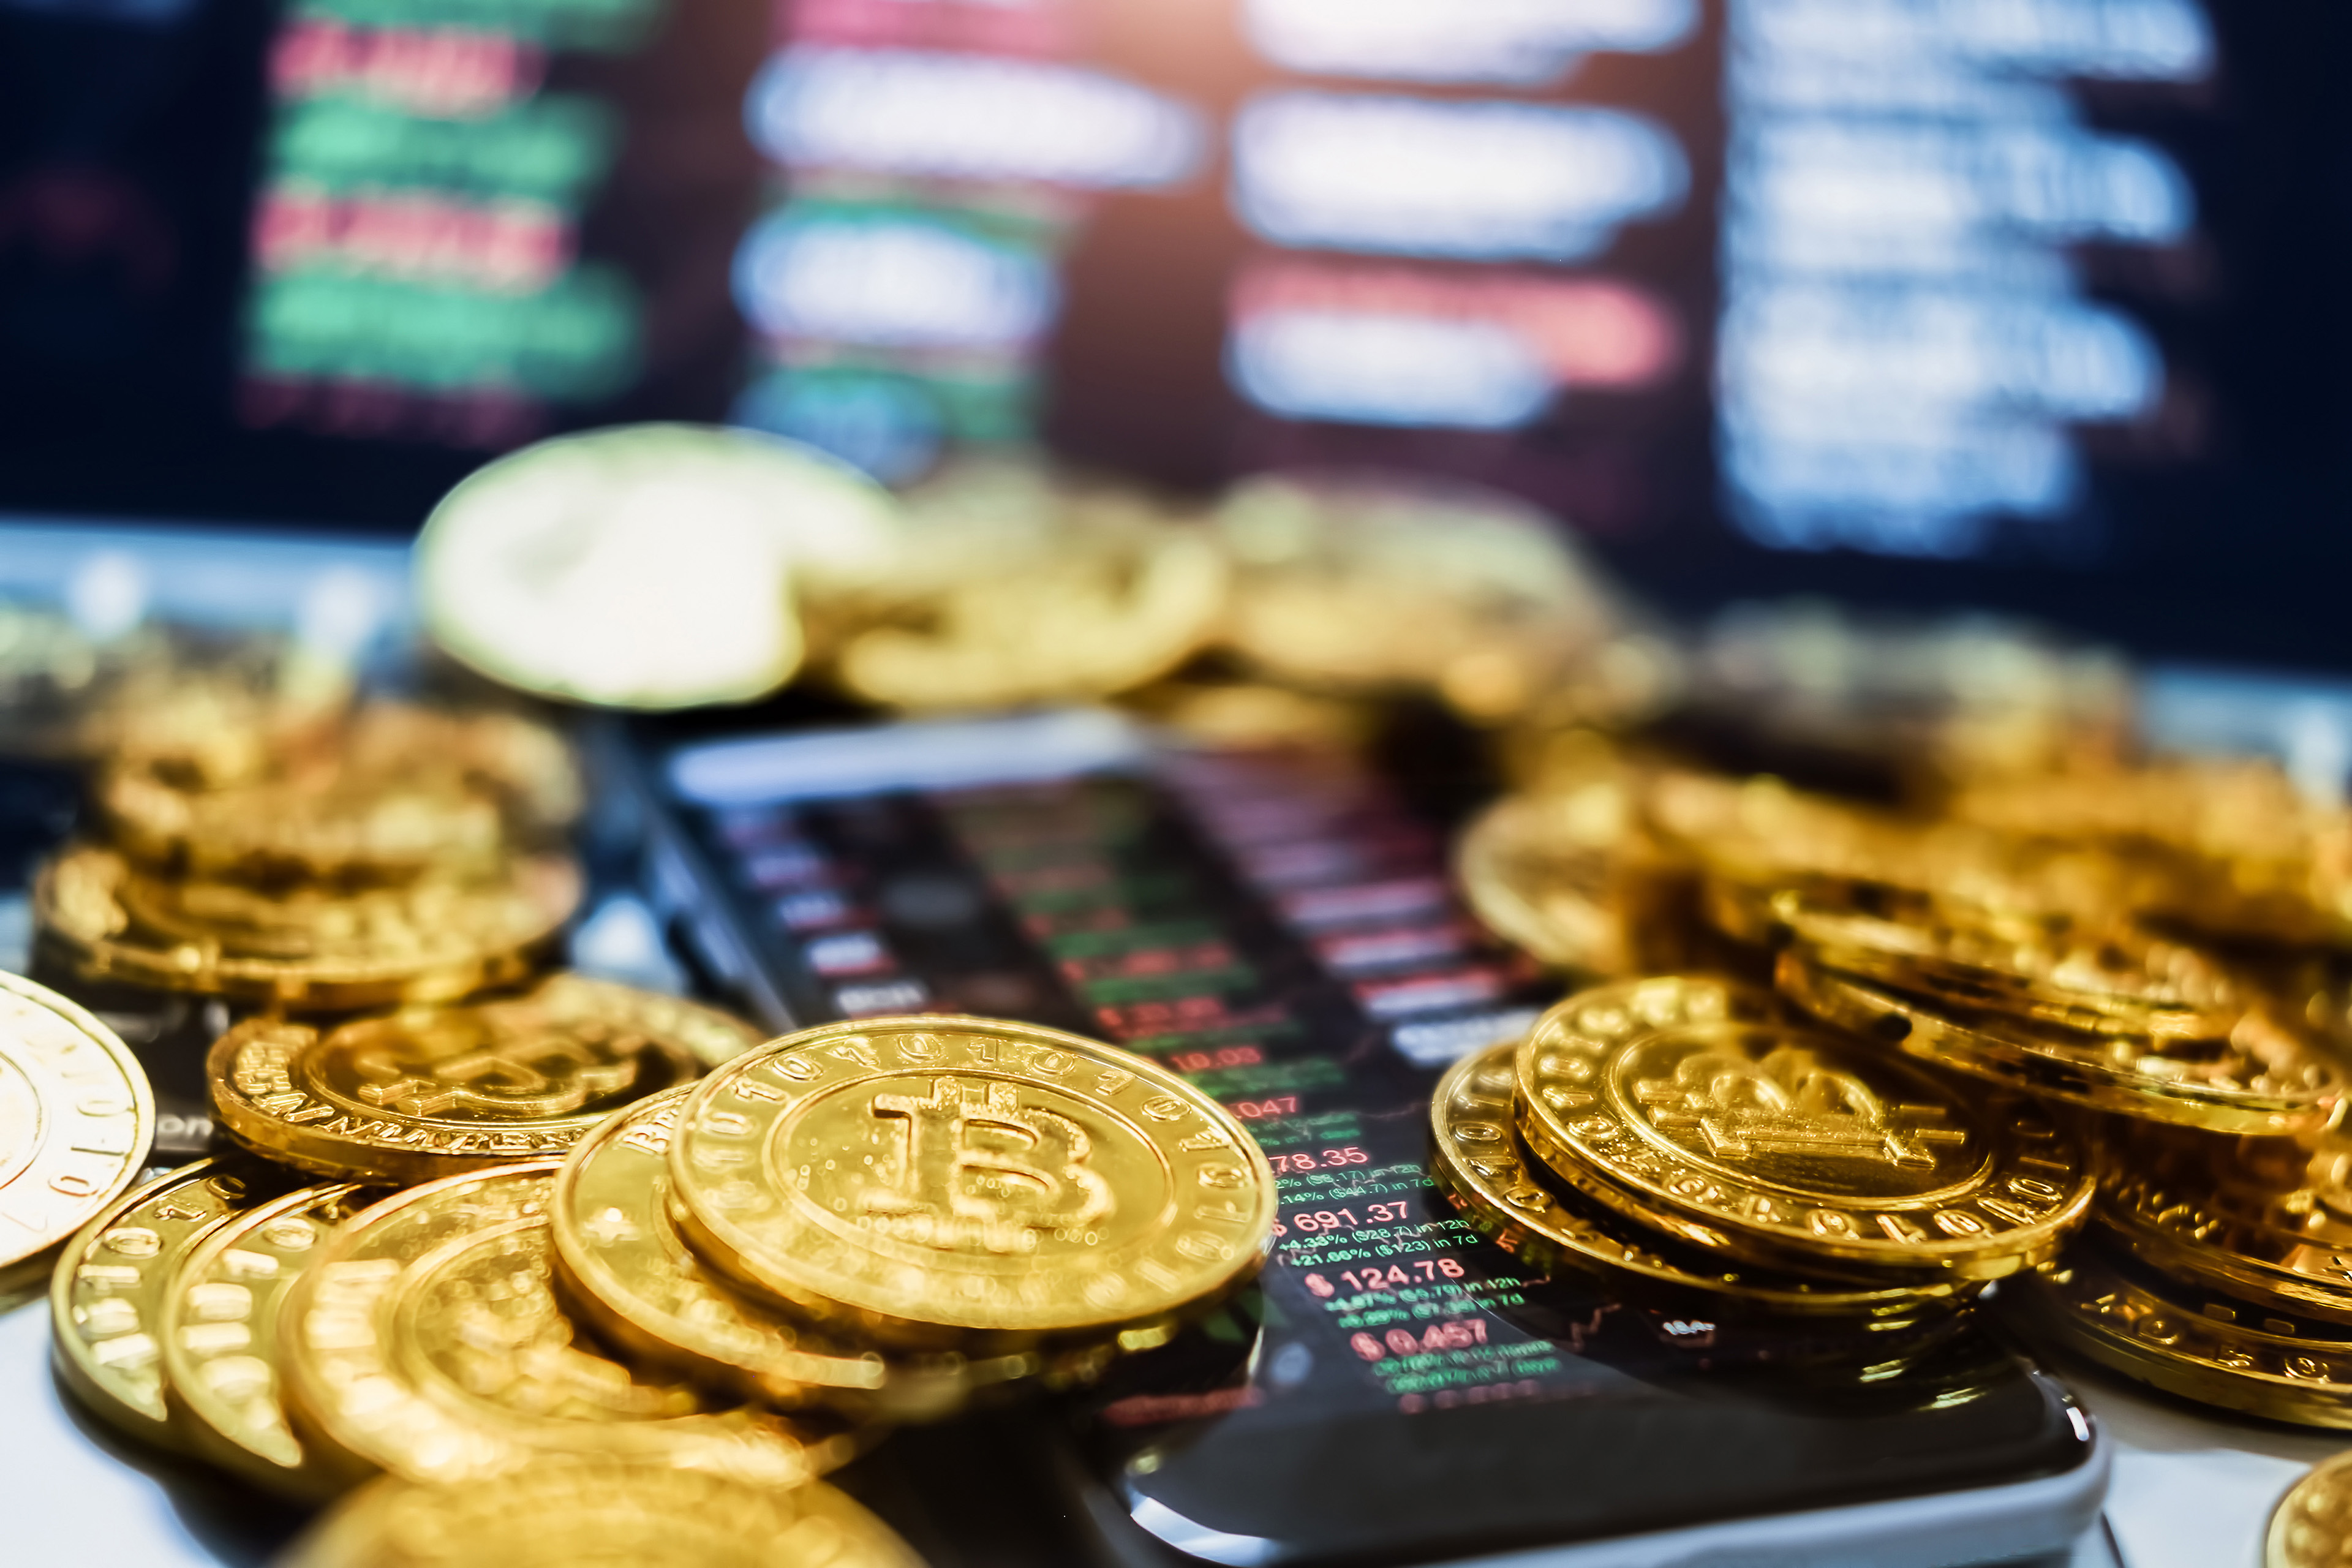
[[1280, 927]]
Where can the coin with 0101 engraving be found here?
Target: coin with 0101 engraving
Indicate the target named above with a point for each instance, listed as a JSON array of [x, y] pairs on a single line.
[[107, 1295], [77, 1116], [219, 1333]]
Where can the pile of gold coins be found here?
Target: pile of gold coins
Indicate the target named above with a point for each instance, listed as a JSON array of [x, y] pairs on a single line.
[[513, 1238], [563, 1269], [388, 853], [562, 569], [1685, 1144], [582, 1231], [1953, 1020]]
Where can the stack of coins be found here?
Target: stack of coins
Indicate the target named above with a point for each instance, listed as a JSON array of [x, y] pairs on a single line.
[[1012, 585], [2208, 1089], [2143, 962], [170, 1306], [886, 1217], [1510, 621], [581, 1225], [2211, 1267], [401, 854], [1682, 1142]]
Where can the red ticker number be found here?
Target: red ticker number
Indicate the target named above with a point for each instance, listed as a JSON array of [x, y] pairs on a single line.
[[1458, 1334], [1328, 1159]]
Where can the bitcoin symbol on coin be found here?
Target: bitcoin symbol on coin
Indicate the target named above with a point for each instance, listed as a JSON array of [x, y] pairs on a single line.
[[543, 1073], [1789, 1103], [973, 1166]]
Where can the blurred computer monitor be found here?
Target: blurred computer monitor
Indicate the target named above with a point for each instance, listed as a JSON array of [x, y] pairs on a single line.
[[2026, 303]]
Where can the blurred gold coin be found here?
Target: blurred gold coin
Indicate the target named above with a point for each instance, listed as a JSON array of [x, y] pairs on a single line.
[[2099, 976], [428, 1340], [1013, 587], [108, 1294], [68, 694], [420, 1093], [1758, 839], [632, 1277], [2312, 1526], [568, 1513], [2168, 1334], [1477, 1163], [2259, 1075], [1789, 1147], [305, 948], [1942, 699], [2267, 1220], [2251, 855], [77, 1116], [647, 566], [1245, 715], [391, 793], [1570, 877], [968, 1184], [218, 1332], [1503, 609], [1754, 837]]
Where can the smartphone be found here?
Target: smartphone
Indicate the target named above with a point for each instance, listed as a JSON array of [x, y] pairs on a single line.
[[1280, 927]]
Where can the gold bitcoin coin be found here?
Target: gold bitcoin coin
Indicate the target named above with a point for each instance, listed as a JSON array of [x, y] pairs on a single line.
[[2208, 1348], [969, 1183], [2312, 1526], [1479, 1165], [427, 1341], [409, 1096], [107, 1296], [1791, 1147], [308, 947], [76, 1121], [2268, 1220], [589, 1511], [634, 1279], [2263, 1076], [646, 566], [1570, 877], [218, 1333]]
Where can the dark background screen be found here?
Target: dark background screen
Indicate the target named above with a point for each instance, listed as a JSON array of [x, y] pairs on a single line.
[[2025, 303]]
